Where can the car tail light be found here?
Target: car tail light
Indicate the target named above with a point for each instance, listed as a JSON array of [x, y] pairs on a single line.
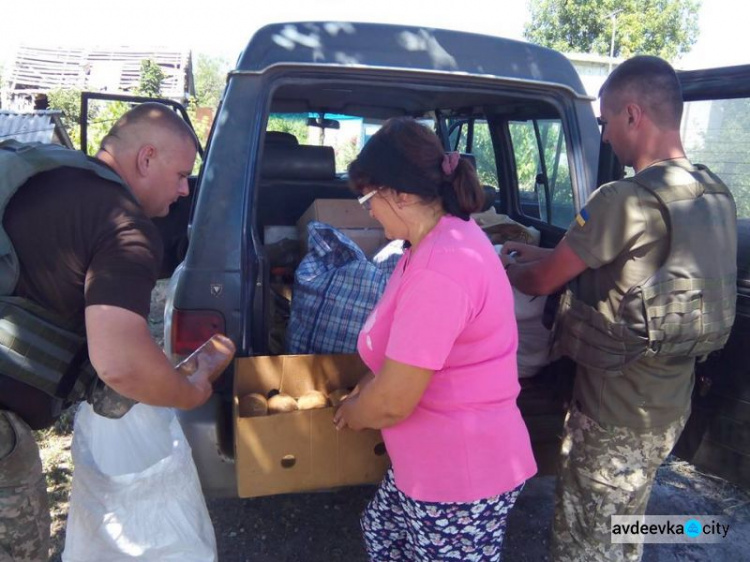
[[191, 328]]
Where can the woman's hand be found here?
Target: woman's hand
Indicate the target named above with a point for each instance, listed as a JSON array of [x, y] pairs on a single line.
[[343, 416], [363, 382], [385, 400]]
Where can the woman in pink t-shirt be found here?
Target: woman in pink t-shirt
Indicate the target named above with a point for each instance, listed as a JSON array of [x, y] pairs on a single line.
[[441, 344]]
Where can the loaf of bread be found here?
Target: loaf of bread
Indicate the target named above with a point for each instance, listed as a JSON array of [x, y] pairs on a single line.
[[280, 403], [252, 405], [312, 400], [216, 355]]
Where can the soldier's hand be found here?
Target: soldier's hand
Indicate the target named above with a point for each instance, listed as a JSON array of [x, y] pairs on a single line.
[[521, 253]]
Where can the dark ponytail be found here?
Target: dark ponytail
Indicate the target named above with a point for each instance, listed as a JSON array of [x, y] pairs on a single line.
[[461, 192], [407, 157]]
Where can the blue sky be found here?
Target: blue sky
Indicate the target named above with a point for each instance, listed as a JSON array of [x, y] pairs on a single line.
[[222, 27]]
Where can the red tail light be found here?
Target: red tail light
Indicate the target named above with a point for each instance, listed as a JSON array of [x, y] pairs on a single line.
[[191, 328]]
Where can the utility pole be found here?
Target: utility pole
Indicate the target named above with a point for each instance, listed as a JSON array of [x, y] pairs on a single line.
[[613, 15]]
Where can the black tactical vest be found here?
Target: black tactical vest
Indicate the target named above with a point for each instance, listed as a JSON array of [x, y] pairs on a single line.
[[37, 347]]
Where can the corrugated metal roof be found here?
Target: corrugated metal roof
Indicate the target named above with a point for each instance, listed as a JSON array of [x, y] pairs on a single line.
[[39, 126]]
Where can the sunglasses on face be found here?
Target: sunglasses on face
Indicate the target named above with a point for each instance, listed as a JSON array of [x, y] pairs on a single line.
[[365, 200]]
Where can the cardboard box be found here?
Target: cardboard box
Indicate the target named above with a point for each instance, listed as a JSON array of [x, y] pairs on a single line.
[[349, 217], [301, 451], [341, 213]]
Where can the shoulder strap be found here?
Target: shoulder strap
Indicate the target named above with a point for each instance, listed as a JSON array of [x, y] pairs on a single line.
[[677, 182], [639, 181], [18, 163]]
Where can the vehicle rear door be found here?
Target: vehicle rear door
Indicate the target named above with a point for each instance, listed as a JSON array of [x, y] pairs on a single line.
[[716, 133]]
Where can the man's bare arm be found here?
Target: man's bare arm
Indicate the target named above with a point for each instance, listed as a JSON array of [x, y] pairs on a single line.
[[127, 359]]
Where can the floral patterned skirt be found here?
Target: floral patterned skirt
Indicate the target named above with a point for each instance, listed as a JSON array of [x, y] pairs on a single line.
[[396, 527]]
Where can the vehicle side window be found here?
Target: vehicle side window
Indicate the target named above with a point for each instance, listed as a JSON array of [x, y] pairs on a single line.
[[717, 134], [543, 173], [481, 148]]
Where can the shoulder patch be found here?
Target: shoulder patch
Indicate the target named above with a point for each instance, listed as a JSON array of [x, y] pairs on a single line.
[[582, 217]]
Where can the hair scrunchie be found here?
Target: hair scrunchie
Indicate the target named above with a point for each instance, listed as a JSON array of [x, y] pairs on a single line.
[[450, 161]]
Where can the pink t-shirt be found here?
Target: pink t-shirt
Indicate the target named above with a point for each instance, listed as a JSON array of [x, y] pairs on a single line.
[[449, 307]]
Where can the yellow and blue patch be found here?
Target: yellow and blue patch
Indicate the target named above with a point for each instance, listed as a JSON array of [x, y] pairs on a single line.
[[582, 217]]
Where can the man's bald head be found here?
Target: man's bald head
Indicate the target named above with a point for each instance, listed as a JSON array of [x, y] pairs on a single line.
[[154, 151], [147, 122]]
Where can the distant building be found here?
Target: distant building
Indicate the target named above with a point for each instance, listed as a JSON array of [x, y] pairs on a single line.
[[34, 71]]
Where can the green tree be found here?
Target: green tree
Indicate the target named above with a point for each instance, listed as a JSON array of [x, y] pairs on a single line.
[[152, 77], [102, 115], [295, 124], [665, 28], [210, 78], [69, 102]]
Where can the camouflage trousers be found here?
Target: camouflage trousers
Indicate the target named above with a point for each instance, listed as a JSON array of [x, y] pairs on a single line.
[[24, 512], [604, 471]]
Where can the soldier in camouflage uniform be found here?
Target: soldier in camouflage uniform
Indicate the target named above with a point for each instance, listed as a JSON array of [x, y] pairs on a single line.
[[89, 251], [618, 466], [23, 494], [630, 403]]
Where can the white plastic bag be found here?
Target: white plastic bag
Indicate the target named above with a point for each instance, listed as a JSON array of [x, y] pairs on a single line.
[[136, 493], [534, 340]]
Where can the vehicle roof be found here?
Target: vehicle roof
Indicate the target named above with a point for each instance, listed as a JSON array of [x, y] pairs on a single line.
[[405, 47]]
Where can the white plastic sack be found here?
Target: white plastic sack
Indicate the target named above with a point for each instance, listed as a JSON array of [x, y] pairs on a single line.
[[534, 340], [136, 493]]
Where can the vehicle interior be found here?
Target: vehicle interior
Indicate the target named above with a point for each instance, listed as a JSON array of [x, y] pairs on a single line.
[[491, 126]]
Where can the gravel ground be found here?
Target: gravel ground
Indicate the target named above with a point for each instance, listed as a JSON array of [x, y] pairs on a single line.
[[324, 527]]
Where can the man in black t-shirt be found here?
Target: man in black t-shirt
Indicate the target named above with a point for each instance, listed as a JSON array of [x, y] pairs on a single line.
[[90, 253]]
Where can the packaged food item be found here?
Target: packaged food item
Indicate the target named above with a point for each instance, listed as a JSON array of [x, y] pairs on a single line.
[[217, 353]]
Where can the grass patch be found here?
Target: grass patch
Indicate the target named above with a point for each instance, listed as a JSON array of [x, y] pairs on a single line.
[[54, 446]]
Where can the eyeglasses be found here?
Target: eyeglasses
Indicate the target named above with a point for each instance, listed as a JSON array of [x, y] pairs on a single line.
[[365, 200], [601, 122]]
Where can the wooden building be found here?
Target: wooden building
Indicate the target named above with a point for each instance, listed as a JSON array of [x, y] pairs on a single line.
[[34, 71]]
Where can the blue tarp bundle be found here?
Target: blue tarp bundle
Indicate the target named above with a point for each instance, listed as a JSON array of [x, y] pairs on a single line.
[[335, 288]]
